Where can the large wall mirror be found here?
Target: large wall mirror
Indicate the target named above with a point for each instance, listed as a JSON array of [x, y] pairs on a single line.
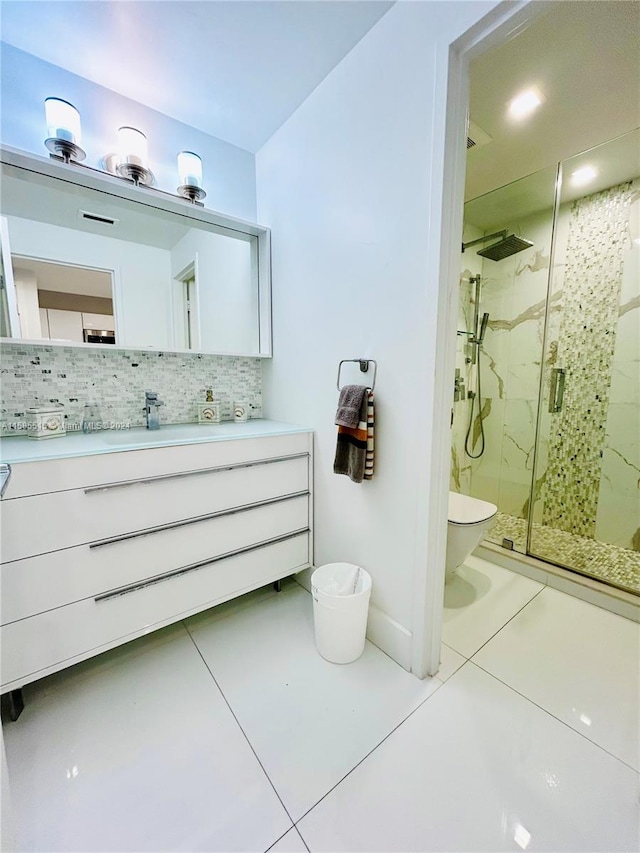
[[88, 260]]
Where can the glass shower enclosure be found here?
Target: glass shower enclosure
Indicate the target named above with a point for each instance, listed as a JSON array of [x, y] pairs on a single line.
[[547, 404]]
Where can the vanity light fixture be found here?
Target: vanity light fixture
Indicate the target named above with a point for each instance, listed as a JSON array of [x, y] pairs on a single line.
[[190, 173], [525, 103], [63, 130], [583, 175], [133, 156]]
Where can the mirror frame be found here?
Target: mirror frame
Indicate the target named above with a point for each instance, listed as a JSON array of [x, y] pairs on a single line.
[[93, 179]]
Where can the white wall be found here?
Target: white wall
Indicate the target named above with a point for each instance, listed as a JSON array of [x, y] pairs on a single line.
[[142, 276], [346, 185]]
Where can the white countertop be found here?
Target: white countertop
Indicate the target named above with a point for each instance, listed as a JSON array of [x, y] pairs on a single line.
[[19, 448]]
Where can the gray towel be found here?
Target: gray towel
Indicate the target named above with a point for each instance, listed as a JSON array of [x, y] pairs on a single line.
[[354, 451], [350, 405]]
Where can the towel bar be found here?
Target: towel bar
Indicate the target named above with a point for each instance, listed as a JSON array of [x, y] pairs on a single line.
[[364, 367]]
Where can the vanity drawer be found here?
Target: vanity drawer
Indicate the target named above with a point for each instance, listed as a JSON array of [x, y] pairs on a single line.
[[41, 583], [80, 472], [66, 635], [48, 522]]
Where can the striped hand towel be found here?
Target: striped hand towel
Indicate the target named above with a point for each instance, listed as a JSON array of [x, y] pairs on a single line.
[[355, 448]]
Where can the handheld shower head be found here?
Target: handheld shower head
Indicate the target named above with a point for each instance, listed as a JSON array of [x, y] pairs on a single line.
[[483, 327]]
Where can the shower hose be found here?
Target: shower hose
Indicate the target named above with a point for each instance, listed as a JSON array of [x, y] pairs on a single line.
[[477, 397]]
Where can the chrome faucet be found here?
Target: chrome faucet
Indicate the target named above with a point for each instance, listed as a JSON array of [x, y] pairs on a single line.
[[151, 404]]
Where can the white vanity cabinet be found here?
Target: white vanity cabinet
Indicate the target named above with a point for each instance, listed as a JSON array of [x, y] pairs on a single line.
[[99, 549]]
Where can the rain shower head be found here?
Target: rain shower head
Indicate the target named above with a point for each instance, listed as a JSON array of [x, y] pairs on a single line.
[[504, 248]]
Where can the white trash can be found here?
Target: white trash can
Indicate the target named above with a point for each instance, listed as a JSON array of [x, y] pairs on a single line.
[[341, 594]]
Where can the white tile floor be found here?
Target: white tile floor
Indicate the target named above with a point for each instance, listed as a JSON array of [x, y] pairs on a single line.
[[222, 733]]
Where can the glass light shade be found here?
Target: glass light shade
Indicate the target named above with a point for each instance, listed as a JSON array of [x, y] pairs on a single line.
[[63, 120], [190, 169], [133, 147]]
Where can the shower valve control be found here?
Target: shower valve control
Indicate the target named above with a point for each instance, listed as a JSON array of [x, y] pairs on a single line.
[[459, 392]]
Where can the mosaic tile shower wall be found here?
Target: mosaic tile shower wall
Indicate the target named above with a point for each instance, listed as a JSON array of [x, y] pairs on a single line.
[[35, 375], [590, 308]]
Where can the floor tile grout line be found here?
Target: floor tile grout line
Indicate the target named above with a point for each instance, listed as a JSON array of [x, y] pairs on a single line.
[[267, 597], [292, 828], [373, 749], [295, 823], [553, 716], [404, 719], [510, 619], [251, 747], [306, 846], [465, 659]]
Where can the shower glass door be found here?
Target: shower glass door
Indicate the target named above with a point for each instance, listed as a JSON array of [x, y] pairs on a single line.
[[586, 484], [494, 436]]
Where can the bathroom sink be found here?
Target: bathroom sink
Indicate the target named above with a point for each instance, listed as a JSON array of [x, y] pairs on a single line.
[[169, 434]]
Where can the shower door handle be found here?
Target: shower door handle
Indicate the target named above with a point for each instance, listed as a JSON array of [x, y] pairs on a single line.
[[556, 394]]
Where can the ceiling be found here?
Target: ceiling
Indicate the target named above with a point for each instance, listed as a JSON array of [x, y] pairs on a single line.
[[585, 58], [615, 162], [236, 69]]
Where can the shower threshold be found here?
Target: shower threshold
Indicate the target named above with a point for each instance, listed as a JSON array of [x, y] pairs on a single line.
[[572, 583], [600, 561]]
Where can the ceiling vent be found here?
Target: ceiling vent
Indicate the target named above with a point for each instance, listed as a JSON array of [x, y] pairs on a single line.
[[476, 136], [97, 217]]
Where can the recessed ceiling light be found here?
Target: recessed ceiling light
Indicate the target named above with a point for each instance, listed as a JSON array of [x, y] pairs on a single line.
[[583, 175], [525, 103]]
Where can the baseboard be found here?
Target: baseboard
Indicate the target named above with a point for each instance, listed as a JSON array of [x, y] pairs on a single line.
[[389, 636], [587, 589]]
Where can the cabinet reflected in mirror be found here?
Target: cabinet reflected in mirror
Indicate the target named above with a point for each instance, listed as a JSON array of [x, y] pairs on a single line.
[[60, 302], [85, 263]]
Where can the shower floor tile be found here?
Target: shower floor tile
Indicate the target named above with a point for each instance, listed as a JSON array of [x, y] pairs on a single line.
[[610, 563]]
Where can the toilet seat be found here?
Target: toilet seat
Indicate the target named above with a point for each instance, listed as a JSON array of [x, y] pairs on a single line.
[[465, 510]]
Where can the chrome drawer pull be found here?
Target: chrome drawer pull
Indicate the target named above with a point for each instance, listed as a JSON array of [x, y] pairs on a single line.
[[172, 525], [150, 480], [174, 573], [5, 476]]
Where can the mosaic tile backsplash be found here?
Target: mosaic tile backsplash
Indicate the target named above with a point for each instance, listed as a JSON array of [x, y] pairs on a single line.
[[35, 375]]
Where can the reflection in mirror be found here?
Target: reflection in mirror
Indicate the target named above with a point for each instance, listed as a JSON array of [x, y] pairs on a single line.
[[93, 267], [5, 328], [213, 307], [60, 302]]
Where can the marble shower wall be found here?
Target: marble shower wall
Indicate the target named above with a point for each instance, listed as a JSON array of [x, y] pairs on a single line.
[[514, 293], [461, 465], [37, 375]]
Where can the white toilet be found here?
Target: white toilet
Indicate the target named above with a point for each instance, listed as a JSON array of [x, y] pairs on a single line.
[[469, 520]]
